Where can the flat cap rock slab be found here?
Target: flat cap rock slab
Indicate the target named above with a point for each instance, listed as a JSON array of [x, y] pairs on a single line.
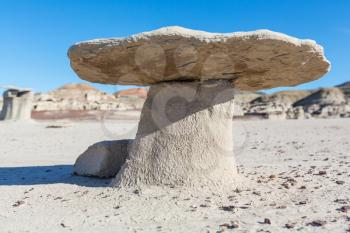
[[103, 159], [252, 60]]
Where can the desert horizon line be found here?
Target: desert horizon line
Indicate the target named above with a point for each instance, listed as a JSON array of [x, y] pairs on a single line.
[[127, 87]]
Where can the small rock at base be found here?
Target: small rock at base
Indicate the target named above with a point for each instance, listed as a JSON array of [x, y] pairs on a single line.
[[103, 159]]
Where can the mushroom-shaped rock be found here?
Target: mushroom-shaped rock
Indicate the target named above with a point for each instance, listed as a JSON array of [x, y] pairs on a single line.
[[103, 159], [185, 132]]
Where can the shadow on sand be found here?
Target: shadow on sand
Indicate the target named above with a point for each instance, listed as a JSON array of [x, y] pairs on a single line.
[[55, 174]]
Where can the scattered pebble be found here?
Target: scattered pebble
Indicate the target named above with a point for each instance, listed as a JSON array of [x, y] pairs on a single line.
[[227, 208], [232, 225], [301, 203], [267, 221], [317, 223], [341, 201], [345, 208], [321, 173], [18, 203], [29, 190], [54, 126], [257, 193], [289, 225]]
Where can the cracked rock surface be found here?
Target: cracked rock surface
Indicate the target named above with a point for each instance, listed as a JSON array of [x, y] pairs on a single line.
[[251, 60]]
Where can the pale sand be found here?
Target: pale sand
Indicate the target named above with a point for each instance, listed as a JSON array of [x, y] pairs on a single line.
[[39, 193]]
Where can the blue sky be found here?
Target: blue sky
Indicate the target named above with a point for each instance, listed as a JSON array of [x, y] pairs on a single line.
[[35, 35]]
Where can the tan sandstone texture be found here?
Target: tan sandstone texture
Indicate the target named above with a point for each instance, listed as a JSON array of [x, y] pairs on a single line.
[[252, 60], [103, 159], [185, 131]]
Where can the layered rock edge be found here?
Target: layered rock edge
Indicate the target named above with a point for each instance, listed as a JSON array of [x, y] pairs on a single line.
[[251, 60]]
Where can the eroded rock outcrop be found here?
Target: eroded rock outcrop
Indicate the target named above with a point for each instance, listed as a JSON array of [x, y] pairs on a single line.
[[278, 105], [17, 104], [324, 103], [185, 131]]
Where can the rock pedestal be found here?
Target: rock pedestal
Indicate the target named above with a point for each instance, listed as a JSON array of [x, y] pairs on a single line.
[[185, 132], [17, 105], [184, 136]]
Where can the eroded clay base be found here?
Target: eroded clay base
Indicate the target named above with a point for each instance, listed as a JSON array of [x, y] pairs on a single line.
[[184, 137]]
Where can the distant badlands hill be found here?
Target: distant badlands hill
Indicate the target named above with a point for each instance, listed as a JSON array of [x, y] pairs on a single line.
[[322, 97], [320, 103], [84, 97], [344, 85], [293, 104], [77, 87], [136, 92]]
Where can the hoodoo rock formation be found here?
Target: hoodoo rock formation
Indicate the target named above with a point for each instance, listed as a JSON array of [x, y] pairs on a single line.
[[17, 104], [185, 132]]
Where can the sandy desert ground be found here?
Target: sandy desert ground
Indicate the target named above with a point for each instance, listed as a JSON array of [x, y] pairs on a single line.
[[295, 178]]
